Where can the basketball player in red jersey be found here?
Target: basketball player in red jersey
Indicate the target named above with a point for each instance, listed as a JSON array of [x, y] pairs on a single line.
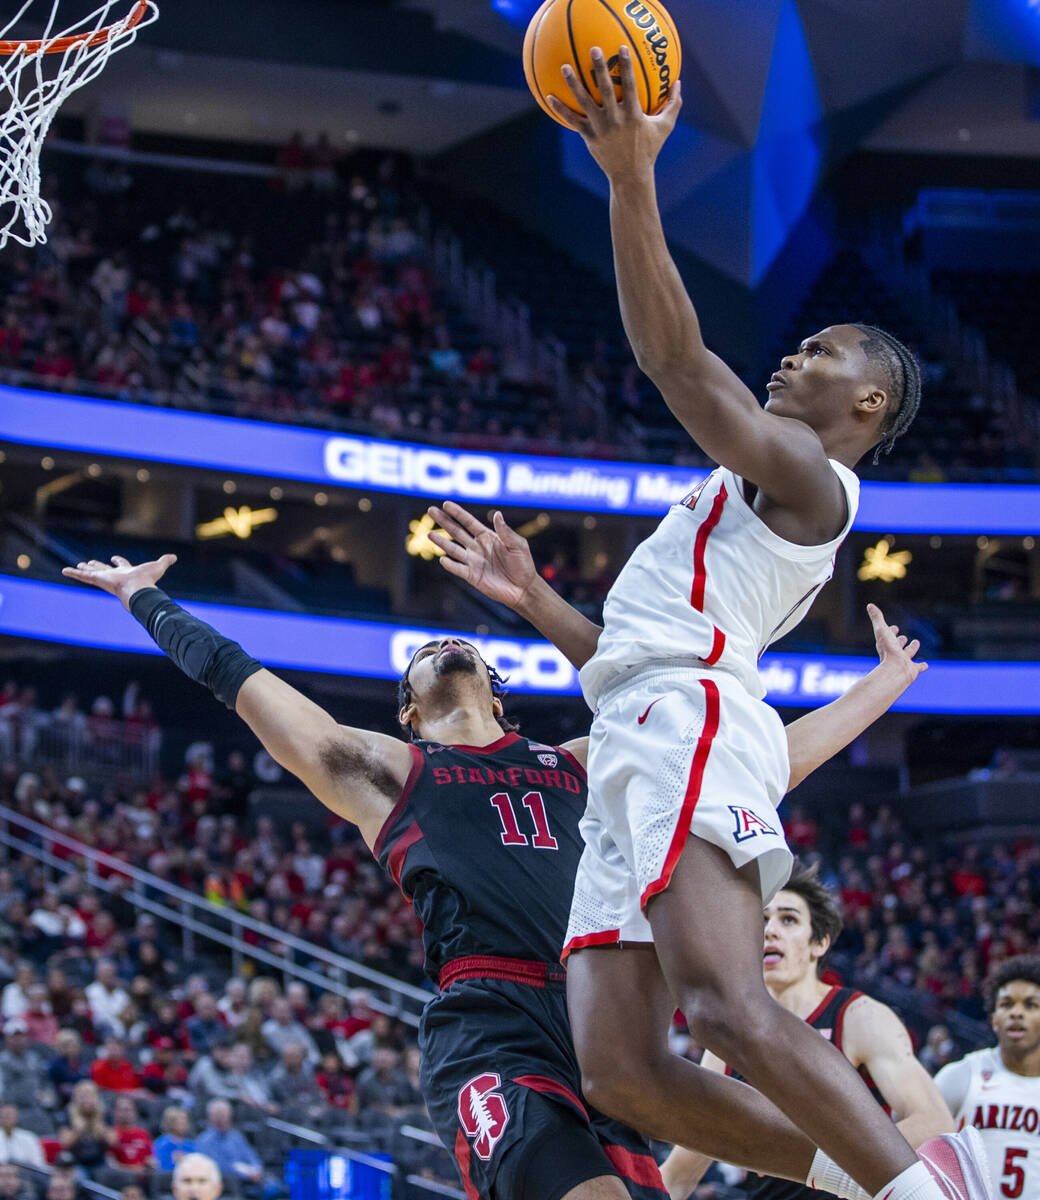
[[802, 922], [686, 761], [479, 828]]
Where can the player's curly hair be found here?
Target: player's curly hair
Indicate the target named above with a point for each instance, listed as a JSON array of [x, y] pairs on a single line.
[[1025, 967], [498, 692], [904, 383], [825, 920]]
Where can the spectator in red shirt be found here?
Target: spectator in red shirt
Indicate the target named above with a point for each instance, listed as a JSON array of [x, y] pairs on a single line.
[[113, 1071], [801, 830], [132, 1148], [40, 1022]]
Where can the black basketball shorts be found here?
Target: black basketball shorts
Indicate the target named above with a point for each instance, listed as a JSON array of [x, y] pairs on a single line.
[[502, 1085]]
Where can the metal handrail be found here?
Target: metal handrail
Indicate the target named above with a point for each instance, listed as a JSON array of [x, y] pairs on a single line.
[[184, 907]]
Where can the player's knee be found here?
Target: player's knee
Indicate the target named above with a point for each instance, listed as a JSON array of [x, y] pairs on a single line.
[[615, 1081], [730, 1022]]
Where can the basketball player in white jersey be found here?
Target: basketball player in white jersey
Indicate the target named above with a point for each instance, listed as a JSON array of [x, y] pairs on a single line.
[[686, 762], [997, 1090], [802, 922]]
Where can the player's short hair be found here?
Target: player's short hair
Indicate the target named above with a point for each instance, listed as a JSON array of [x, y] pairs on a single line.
[[1024, 967], [903, 383], [498, 692], [825, 920]]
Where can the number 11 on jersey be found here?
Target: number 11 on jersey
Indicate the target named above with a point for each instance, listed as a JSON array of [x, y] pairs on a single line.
[[511, 833]]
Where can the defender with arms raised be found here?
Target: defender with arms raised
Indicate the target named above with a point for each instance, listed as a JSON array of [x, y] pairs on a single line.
[[479, 828]]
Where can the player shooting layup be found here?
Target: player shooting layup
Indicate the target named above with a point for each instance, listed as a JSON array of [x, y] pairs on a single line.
[[802, 922], [479, 828], [997, 1090], [686, 763]]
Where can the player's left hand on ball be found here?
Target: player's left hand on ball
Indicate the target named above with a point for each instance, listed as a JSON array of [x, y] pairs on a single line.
[[619, 135], [121, 579], [893, 647]]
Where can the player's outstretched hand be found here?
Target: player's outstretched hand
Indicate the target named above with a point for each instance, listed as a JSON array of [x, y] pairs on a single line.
[[496, 561], [893, 648], [619, 135], [122, 579]]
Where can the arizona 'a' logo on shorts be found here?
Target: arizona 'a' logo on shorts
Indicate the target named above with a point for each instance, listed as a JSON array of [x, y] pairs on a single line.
[[483, 1113], [748, 825]]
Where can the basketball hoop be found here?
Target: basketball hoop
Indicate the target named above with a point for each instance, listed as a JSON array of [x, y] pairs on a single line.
[[35, 79]]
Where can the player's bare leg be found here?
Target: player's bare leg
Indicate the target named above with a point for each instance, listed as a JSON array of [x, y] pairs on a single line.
[[620, 1009], [708, 934], [605, 1187]]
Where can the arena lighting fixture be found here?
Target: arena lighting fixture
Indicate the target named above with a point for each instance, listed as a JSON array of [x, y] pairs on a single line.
[[884, 563], [241, 522], [418, 543]]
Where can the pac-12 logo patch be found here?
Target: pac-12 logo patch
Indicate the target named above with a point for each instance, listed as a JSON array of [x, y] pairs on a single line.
[[548, 760], [483, 1113], [748, 825]]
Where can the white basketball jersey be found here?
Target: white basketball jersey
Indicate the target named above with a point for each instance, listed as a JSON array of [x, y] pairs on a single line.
[[712, 586], [1005, 1109]]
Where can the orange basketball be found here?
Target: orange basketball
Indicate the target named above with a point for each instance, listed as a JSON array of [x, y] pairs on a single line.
[[564, 31]]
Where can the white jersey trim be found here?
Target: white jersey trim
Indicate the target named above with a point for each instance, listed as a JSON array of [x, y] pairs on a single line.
[[849, 481]]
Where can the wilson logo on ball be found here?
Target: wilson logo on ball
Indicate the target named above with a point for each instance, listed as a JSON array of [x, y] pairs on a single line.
[[563, 32]]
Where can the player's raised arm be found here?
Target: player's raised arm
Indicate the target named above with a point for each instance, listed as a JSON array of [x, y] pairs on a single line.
[[497, 562], [819, 735], [783, 457], [356, 773]]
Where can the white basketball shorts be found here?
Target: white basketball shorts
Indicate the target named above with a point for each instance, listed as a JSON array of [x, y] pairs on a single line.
[[675, 752]]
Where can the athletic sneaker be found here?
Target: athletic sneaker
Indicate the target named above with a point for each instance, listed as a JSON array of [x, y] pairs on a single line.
[[958, 1164]]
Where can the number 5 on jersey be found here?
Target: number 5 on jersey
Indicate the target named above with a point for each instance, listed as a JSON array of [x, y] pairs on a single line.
[[1014, 1180], [511, 834]]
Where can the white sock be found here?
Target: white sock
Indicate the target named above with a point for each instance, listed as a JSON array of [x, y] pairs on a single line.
[[826, 1176], [915, 1183]]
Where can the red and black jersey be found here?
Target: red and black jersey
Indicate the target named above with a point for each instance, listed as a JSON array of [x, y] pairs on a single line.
[[829, 1019], [484, 841]]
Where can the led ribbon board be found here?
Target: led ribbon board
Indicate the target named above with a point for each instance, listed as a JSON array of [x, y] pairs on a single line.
[[142, 433], [78, 616]]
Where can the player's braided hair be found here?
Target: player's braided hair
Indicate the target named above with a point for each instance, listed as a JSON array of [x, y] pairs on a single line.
[[824, 907], [1025, 967], [904, 383], [498, 692]]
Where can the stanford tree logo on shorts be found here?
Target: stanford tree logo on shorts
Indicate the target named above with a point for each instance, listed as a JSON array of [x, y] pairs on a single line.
[[483, 1113]]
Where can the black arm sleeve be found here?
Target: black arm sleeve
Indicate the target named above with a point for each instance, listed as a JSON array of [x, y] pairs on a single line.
[[201, 653]]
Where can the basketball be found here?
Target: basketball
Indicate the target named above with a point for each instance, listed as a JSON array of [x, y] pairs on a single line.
[[564, 31]]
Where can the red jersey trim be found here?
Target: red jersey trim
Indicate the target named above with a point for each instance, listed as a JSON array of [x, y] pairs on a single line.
[[606, 938], [402, 800], [573, 761], [839, 1019], [489, 966], [693, 791], [551, 1087], [641, 1169], [493, 748], [462, 1153], [700, 572], [399, 853], [817, 1012]]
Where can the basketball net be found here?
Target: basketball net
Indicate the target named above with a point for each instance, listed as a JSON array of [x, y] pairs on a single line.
[[35, 78]]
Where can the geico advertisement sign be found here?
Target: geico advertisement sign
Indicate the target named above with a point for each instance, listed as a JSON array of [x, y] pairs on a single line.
[[424, 469], [533, 666]]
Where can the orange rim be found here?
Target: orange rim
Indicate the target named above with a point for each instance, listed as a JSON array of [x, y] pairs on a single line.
[[61, 44]]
